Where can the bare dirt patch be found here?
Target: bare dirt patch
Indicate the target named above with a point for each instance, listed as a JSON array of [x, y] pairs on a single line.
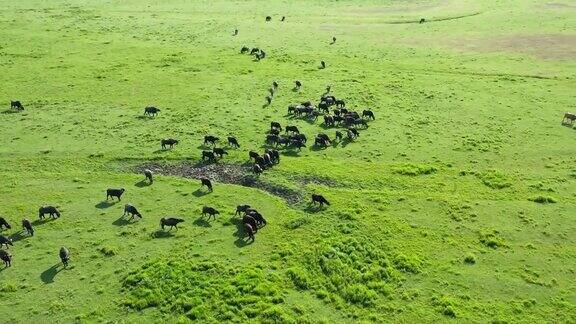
[[555, 5], [544, 46], [237, 174]]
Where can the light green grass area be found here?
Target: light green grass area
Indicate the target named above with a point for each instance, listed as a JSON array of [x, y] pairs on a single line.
[[456, 204]]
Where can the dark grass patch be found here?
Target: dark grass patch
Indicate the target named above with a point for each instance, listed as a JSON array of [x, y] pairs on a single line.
[[494, 179], [411, 169], [238, 174], [543, 199]]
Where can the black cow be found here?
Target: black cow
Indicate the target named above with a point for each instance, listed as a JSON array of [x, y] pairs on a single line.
[[242, 209], [64, 256], [253, 155], [53, 211], [275, 85], [297, 84], [255, 50], [319, 199], [168, 142], [244, 50], [268, 100], [150, 110], [422, 20], [275, 125], [352, 133], [16, 105], [211, 212], [292, 129], [4, 240], [271, 138], [149, 175], [209, 155], [247, 219], [257, 169], [300, 137], [219, 151], [283, 18], [328, 120], [339, 135], [232, 141], [207, 183], [268, 18], [6, 257], [250, 231], [170, 221], [368, 114], [27, 225], [131, 210], [274, 155], [4, 223], [340, 103], [258, 217], [322, 64], [111, 193], [209, 139], [333, 39], [235, 32]]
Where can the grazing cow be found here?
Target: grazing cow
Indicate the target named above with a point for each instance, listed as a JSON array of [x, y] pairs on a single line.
[[4, 240], [340, 103], [268, 100], [333, 39], [323, 107], [53, 211], [322, 64], [170, 221], [260, 55], [267, 159], [219, 151], [422, 20], [250, 231], [352, 133], [235, 32], [338, 120], [152, 111], [318, 141], [292, 109], [16, 105], [300, 137], [149, 175], [568, 119], [368, 114], [297, 144], [168, 141], [258, 217], [27, 225], [283, 18], [339, 136], [242, 209], [283, 140], [232, 141], [211, 212], [298, 84], [247, 219], [275, 125], [270, 139], [268, 18], [244, 50], [328, 120], [131, 210], [64, 256], [328, 89], [206, 182], [275, 84], [208, 155], [257, 169], [319, 199], [6, 257], [253, 155], [271, 92], [111, 193], [260, 162], [4, 223], [209, 139], [255, 50], [274, 132], [274, 155], [292, 129]]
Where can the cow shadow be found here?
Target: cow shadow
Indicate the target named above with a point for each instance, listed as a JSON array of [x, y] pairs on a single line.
[[49, 274], [143, 183], [202, 222], [242, 239], [159, 151], [37, 222], [317, 148], [105, 204], [290, 152], [200, 193], [161, 234], [122, 221], [312, 209], [19, 236]]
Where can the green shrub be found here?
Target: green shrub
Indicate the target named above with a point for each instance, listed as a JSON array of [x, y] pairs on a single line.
[[299, 278], [109, 250], [494, 179], [470, 259], [411, 169], [543, 200], [297, 223]]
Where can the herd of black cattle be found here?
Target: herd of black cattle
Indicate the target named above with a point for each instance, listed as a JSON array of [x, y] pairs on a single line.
[[291, 138]]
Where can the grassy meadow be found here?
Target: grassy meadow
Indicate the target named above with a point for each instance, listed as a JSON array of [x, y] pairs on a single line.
[[457, 204]]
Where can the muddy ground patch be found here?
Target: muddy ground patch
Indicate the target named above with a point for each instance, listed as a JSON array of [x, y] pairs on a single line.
[[238, 174], [543, 46]]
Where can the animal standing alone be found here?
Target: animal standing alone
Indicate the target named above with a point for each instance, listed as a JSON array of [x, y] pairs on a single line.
[[168, 142], [64, 256], [111, 193], [16, 105], [207, 183], [170, 221], [51, 210], [568, 119], [211, 212], [6, 257], [151, 111], [27, 226], [149, 175], [232, 141], [4, 223], [319, 199]]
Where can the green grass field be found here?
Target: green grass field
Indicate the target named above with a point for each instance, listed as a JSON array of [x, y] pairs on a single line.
[[458, 203]]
